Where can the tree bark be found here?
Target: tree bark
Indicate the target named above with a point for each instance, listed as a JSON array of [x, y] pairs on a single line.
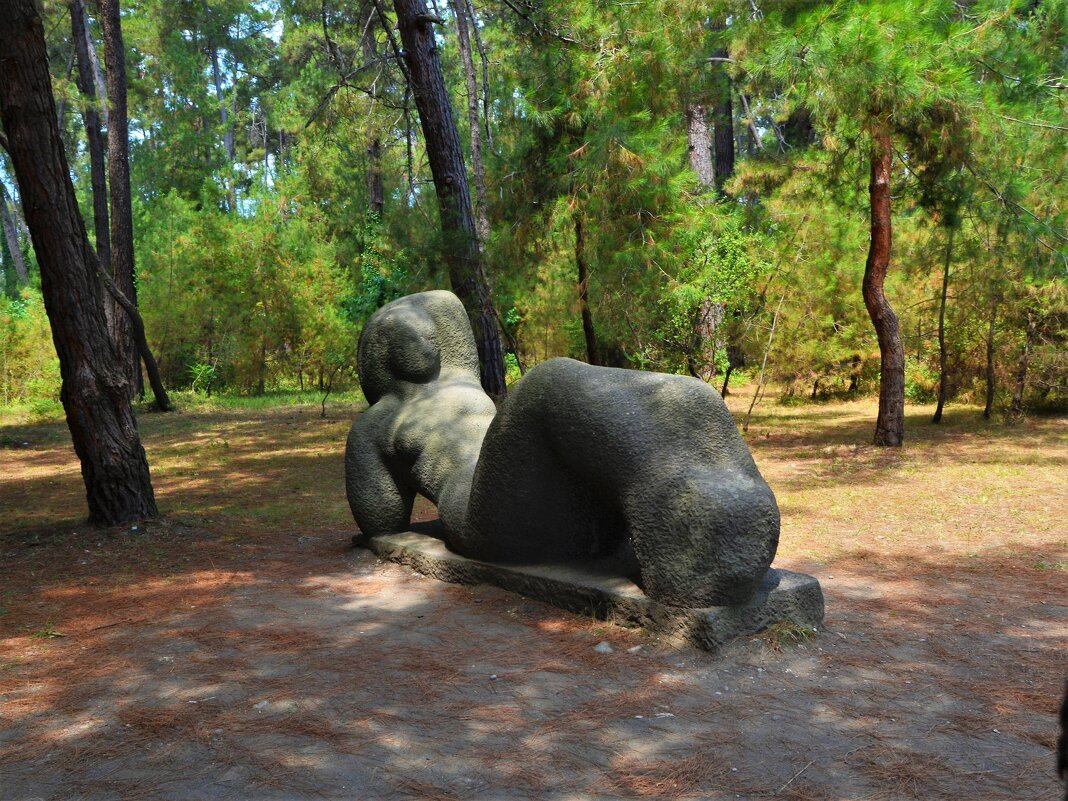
[[890, 425], [699, 140], [701, 360], [375, 190], [989, 407], [228, 128], [11, 234], [122, 253], [942, 356], [723, 122], [95, 391], [593, 356], [443, 150], [482, 226], [484, 59], [83, 46]]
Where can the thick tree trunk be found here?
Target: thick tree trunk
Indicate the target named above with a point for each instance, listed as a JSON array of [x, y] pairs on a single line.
[[943, 375], [701, 360], [1016, 408], [83, 46], [989, 407], [122, 253], [11, 234], [482, 226], [95, 391], [699, 140], [593, 356], [890, 425], [450, 183]]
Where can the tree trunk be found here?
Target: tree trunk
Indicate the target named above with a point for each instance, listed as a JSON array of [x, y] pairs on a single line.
[[701, 360], [1021, 372], [990, 359], [593, 356], [11, 234], [83, 45], [122, 253], [484, 59], [942, 367], [699, 139], [722, 121], [726, 380], [375, 191], [95, 391], [460, 239], [482, 226], [890, 425], [228, 128]]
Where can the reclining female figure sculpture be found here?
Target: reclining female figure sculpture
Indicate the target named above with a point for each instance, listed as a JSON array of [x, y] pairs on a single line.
[[580, 462]]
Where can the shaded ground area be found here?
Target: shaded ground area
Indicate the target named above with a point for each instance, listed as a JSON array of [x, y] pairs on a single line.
[[242, 649]]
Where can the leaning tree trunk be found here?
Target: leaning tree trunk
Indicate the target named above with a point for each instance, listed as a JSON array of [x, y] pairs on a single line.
[[95, 391], [890, 425], [122, 253], [943, 371], [446, 159]]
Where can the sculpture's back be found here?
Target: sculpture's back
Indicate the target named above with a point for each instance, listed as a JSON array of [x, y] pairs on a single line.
[[586, 461]]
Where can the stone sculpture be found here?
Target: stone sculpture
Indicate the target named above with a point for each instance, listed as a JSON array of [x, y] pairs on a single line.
[[580, 462]]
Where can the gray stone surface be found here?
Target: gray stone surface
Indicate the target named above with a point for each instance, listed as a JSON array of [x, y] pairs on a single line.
[[422, 432], [584, 462], [581, 464], [593, 589]]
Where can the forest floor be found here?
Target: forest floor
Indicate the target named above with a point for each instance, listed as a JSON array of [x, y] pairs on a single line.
[[240, 648]]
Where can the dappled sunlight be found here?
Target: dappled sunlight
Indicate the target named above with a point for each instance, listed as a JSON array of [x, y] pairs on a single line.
[[263, 652]]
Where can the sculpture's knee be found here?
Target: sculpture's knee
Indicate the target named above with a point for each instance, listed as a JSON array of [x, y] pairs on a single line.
[[704, 535]]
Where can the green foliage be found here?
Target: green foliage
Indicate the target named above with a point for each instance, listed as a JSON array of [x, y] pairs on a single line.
[[258, 260], [29, 368]]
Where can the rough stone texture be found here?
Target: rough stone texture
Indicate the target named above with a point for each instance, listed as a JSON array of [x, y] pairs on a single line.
[[581, 463], [584, 462], [419, 371], [595, 588]]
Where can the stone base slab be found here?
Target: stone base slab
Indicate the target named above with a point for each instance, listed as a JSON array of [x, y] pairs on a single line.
[[784, 596]]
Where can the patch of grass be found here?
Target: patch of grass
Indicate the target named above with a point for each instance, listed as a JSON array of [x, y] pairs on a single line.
[[785, 634], [46, 632], [1046, 564], [186, 400]]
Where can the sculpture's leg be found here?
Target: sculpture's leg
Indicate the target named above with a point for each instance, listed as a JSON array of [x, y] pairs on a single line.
[[704, 535], [380, 502]]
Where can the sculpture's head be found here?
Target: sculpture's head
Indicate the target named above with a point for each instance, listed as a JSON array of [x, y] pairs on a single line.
[[411, 340]]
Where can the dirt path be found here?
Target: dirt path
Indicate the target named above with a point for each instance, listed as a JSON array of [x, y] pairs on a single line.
[[189, 661]]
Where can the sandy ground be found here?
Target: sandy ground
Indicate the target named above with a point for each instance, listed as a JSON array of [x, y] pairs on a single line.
[[186, 661]]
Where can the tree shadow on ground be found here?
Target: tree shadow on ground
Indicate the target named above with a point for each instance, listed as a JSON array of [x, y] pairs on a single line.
[[240, 648], [300, 668]]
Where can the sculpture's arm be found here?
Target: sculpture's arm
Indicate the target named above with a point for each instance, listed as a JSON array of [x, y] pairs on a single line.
[[380, 503]]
